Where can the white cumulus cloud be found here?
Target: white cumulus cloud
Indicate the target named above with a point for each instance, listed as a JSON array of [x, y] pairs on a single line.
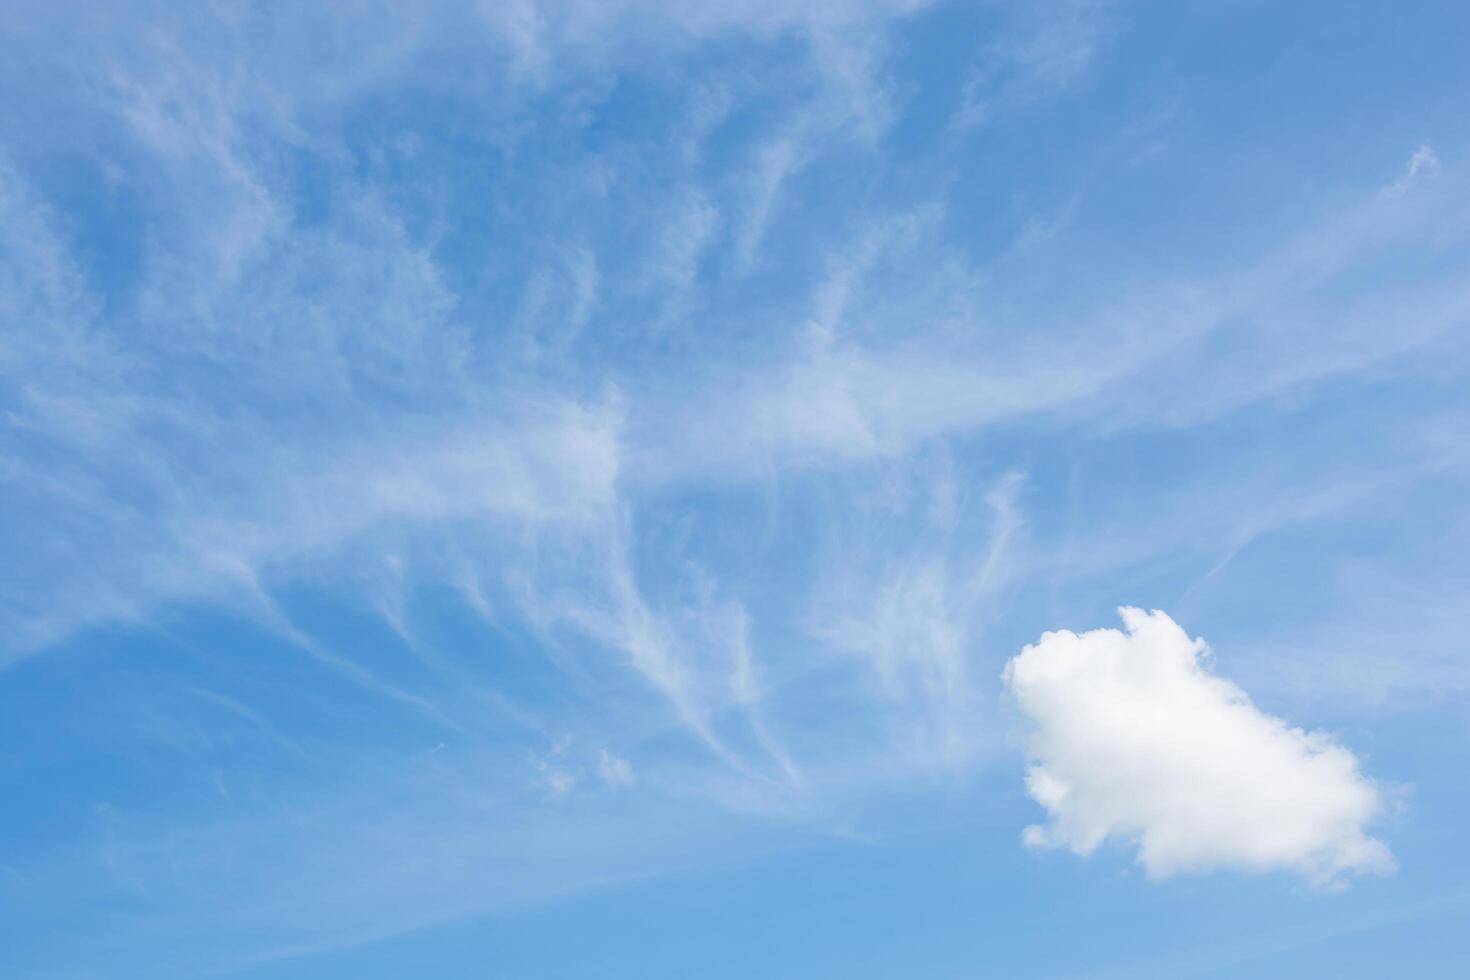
[[1135, 740]]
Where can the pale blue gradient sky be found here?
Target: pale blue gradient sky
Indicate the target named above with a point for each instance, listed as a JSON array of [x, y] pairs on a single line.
[[551, 490]]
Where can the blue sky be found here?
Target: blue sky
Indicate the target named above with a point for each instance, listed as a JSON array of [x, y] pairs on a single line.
[[623, 489]]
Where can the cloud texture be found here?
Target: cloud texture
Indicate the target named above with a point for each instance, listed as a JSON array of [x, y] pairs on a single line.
[[1136, 740]]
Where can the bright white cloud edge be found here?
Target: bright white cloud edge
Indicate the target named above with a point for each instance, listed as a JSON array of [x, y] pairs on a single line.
[[1135, 740]]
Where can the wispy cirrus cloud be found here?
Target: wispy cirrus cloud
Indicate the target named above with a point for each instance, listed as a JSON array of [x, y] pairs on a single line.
[[615, 410], [1047, 51]]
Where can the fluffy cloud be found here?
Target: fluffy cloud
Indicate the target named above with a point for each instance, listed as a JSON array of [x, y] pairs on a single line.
[[1136, 740]]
